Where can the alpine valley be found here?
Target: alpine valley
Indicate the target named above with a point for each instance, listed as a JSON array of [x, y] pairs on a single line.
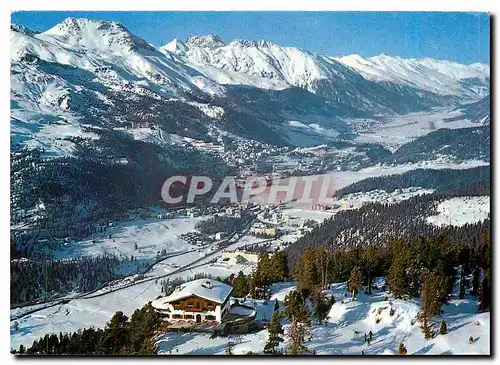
[[100, 118]]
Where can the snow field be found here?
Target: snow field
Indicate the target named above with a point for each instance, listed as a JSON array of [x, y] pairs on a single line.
[[459, 211]]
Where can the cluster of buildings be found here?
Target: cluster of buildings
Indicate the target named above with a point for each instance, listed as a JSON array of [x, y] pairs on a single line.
[[274, 216], [262, 230], [250, 153], [196, 211], [239, 257]]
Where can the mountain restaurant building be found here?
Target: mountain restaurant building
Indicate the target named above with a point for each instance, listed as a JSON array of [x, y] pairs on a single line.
[[198, 301]]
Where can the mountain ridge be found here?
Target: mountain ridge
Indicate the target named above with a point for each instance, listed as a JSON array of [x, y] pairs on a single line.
[[85, 71]]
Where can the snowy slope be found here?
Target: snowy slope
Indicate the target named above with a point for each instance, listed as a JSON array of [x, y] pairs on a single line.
[[148, 235], [261, 58], [63, 78], [459, 211], [343, 334], [441, 77], [395, 131]]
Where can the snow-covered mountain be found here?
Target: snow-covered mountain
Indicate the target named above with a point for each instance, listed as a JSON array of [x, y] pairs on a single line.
[[382, 83], [107, 49], [82, 75], [440, 77]]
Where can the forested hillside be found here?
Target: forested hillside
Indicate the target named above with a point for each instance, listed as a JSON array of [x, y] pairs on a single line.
[[460, 144], [475, 181]]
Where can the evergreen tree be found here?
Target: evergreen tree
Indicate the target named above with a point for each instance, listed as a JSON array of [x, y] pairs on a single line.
[[296, 306], [117, 335], [397, 277], [443, 329], [355, 280], [461, 294], [484, 289], [475, 282], [257, 285], [307, 273], [433, 291], [278, 270], [320, 304], [275, 331], [241, 285], [149, 347], [370, 260], [298, 337]]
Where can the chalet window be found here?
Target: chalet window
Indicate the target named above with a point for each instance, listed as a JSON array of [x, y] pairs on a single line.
[[188, 316], [190, 304], [177, 303], [177, 316], [197, 304], [210, 317], [210, 304]]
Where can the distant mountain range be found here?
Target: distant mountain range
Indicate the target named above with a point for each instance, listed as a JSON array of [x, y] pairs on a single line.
[[84, 75]]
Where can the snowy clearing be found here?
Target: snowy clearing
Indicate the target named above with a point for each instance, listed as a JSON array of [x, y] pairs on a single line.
[[150, 236], [461, 210]]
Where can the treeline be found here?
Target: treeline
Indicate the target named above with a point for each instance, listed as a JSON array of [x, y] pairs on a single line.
[[378, 224], [121, 336], [48, 279], [474, 181]]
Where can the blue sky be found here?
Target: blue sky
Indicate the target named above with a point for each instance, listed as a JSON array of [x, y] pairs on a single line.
[[461, 37]]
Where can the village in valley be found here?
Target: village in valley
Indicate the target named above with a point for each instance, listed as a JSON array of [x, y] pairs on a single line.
[[199, 271], [197, 266]]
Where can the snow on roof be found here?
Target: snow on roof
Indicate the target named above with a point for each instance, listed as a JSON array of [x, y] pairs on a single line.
[[204, 288]]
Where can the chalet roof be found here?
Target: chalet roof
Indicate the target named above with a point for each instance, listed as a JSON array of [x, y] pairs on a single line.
[[208, 289]]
